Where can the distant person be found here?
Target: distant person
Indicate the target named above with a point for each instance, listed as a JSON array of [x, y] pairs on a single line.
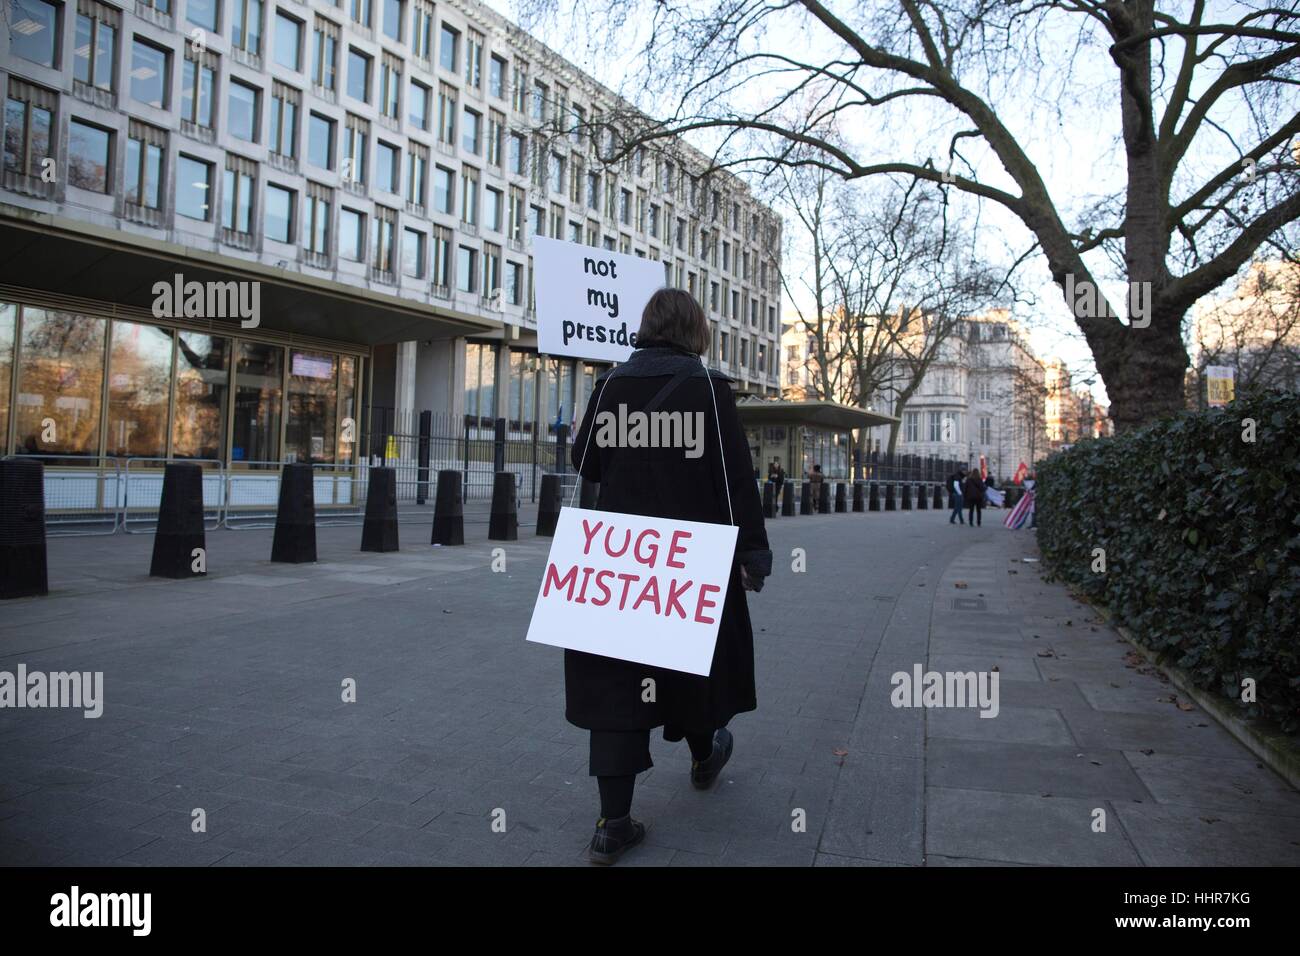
[[955, 481], [815, 479], [973, 495], [605, 695], [1030, 483], [776, 475]]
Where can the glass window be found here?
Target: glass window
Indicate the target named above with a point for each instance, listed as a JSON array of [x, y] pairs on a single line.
[[288, 41], [386, 167], [203, 13], [202, 384], [88, 156], [27, 137], [393, 19], [467, 269], [8, 328], [320, 141], [347, 407], [360, 11], [470, 131], [447, 49], [358, 75], [316, 234], [284, 123], [193, 187], [444, 184], [143, 173], [243, 120], [324, 54], [196, 92], [93, 52], [149, 73], [497, 77], [256, 417], [413, 253], [60, 382], [480, 381], [311, 428], [246, 26], [139, 386], [33, 27], [237, 201], [417, 105], [422, 30], [279, 213], [352, 226]]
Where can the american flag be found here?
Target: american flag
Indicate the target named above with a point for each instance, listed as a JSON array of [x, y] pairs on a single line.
[[1021, 512]]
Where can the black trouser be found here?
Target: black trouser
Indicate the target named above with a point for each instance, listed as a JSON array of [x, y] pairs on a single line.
[[975, 513], [617, 756]]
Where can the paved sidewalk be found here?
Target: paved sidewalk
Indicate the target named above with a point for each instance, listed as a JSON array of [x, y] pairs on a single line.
[[224, 694]]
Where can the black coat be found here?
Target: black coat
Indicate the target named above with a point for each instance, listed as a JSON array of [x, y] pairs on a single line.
[[602, 693]]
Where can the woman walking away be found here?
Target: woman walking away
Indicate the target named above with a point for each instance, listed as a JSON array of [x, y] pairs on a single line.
[[973, 495], [619, 701]]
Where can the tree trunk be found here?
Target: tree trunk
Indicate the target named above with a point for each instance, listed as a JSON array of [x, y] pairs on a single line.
[[1146, 381]]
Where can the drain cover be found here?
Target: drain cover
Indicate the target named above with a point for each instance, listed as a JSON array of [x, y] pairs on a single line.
[[969, 604]]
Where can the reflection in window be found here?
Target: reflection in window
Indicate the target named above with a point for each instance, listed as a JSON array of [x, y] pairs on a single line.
[[149, 73], [88, 156], [256, 425], [347, 408], [313, 405], [8, 325], [139, 383], [202, 383], [480, 383], [32, 26], [60, 381]]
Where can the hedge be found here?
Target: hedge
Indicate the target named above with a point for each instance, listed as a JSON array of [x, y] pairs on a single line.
[[1200, 528]]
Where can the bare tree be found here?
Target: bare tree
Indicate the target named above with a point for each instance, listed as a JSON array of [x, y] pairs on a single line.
[[1202, 101], [1256, 331]]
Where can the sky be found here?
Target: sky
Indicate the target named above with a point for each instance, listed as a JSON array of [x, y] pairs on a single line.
[[1062, 111]]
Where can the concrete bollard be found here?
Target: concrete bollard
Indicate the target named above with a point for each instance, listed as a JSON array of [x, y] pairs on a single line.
[[503, 525], [890, 503], [859, 495], [938, 498], [379, 532], [841, 498], [23, 569], [805, 498], [769, 500], [922, 498], [787, 500], [589, 495], [180, 524], [448, 510], [906, 502], [873, 503], [295, 516], [548, 507], [824, 498]]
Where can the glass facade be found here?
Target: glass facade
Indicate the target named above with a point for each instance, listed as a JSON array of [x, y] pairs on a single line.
[[81, 385]]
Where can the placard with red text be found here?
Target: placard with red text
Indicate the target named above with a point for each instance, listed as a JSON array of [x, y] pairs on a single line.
[[639, 589]]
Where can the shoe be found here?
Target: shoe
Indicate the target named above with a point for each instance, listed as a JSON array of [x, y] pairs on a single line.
[[705, 772], [613, 838]]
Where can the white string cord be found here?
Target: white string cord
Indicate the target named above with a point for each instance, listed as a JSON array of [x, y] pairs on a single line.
[[722, 452], [587, 444]]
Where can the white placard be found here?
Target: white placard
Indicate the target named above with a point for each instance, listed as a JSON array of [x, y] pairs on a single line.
[[589, 300], [635, 588]]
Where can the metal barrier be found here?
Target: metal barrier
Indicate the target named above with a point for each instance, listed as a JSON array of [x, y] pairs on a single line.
[[141, 492], [253, 494], [80, 500]]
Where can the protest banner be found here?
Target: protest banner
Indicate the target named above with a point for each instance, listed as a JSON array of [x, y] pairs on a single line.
[[635, 588], [589, 300], [1219, 385]]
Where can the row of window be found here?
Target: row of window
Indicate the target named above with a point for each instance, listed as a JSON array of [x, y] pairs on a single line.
[[944, 427], [97, 25]]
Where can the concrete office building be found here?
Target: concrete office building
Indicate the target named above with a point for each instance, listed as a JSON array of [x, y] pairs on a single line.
[[355, 184]]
